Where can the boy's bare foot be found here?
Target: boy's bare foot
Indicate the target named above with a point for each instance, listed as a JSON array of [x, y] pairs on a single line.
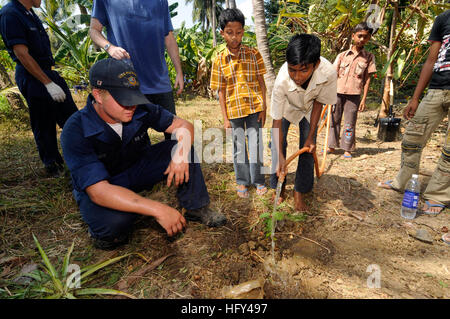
[[242, 191], [299, 202], [329, 150], [347, 155]]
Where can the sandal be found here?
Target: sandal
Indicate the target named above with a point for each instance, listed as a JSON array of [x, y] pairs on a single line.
[[347, 156], [387, 185], [260, 189], [242, 193], [430, 212], [329, 151]]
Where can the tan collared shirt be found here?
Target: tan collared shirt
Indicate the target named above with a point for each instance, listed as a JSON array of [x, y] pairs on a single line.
[[238, 75], [353, 71], [293, 102]]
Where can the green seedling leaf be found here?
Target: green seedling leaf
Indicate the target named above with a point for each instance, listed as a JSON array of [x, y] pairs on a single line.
[[278, 216], [264, 215]]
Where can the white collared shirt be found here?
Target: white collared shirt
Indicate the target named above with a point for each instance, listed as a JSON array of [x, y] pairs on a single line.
[[293, 102]]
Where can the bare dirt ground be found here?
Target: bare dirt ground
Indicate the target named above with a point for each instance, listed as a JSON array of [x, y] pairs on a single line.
[[353, 233]]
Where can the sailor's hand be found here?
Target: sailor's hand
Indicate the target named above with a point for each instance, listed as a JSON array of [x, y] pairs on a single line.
[[177, 172], [171, 220], [55, 92]]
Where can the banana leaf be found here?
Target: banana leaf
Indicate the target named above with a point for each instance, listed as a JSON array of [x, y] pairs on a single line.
[[400, 65], [383, 72]]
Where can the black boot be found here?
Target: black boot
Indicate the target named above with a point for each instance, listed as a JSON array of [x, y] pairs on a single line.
[[206, 216], [54, 170], [108, 244]]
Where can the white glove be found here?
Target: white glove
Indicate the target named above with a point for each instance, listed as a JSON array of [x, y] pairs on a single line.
[[55, 92]]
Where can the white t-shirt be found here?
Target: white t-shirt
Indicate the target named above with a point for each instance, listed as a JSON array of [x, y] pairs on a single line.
[[293, 102], [117, 127]]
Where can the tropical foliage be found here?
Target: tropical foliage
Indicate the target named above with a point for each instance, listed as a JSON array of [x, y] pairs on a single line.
[[68, 282], [331, 20]]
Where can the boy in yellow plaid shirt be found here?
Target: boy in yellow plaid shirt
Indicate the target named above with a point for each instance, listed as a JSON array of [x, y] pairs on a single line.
[[237, 74]]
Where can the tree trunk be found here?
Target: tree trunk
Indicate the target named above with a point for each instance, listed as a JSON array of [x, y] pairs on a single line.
[[213, 22], [14, 99], [83, 9], [387, 98], [263, 45], [5, 81]]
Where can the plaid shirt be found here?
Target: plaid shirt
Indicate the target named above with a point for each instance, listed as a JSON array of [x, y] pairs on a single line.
[[238, 76]]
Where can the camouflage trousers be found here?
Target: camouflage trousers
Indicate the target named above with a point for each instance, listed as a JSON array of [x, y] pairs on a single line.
[[430, 113]]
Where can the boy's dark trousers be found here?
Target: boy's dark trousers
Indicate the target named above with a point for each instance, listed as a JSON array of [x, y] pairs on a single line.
[[304, 176]]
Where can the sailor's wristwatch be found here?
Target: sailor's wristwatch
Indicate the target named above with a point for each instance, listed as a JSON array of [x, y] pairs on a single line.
[[106, 47]]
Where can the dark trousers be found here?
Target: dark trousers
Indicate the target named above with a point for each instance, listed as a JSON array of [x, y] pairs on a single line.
[[165, 100], [108, 224], [347, 105], [304, 176], [45, 113]]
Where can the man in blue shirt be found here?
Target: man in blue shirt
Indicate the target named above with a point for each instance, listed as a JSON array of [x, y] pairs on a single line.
[[48, 97], [141, 31], [110, 157]]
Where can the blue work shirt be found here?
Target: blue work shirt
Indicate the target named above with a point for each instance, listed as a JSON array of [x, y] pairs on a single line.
[[140, 27], [94, 152], [20, 26]]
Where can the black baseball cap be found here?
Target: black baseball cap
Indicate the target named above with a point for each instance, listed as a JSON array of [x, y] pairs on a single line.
[[119, 79]]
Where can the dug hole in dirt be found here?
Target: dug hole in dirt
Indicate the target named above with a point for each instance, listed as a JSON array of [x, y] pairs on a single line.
[[352, 244]]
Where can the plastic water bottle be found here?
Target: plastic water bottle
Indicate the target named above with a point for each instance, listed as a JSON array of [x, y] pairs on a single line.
[[411, 198]]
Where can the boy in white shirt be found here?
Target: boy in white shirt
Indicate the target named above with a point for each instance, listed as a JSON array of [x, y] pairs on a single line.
[[304, 83]]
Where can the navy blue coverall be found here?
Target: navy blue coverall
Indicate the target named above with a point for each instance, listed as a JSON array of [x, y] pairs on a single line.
[[20, 26], [94, 152]]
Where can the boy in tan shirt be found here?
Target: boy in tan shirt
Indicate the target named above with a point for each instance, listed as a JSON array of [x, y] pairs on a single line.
[[354, 68]]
